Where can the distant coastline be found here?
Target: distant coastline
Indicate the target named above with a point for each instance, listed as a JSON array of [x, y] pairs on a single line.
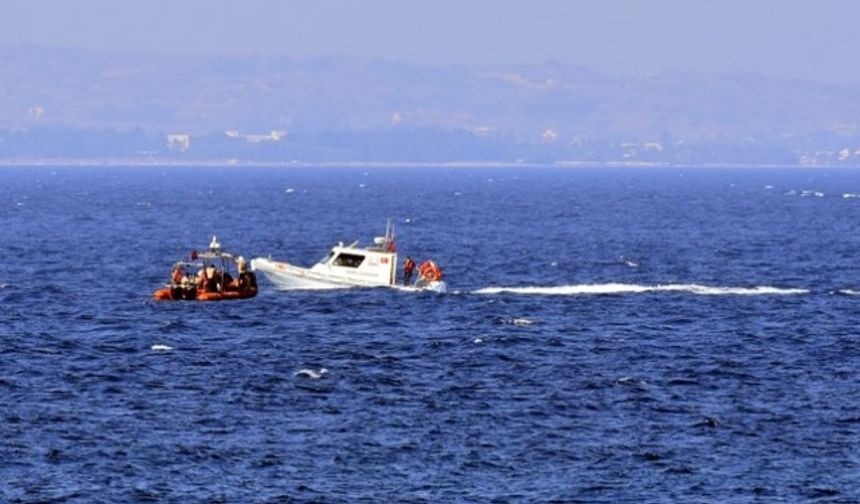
[[167, 110], [235, 163]]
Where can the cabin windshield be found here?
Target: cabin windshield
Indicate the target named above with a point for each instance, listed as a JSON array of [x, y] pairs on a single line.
[[327, 258], [348, 260]]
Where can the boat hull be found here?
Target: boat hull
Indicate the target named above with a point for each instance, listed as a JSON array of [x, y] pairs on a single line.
[[437, 286], [172, 294], [285, 276]]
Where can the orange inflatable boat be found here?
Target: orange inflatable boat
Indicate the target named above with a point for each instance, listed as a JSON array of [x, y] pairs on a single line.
[[180, 293], [208, 276]]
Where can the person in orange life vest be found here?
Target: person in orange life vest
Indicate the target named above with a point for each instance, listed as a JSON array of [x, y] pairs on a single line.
[[176, 276], [408, 267]]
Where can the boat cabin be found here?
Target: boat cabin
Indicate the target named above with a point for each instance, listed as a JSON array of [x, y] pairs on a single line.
[[368, 266]]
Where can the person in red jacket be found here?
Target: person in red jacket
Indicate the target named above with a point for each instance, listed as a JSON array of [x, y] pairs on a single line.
[[408, 268]]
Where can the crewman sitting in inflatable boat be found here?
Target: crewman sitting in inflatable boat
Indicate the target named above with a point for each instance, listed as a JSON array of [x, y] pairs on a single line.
[[247, 279]]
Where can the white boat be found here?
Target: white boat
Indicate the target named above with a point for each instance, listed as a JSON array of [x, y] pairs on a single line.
[[350, 266]]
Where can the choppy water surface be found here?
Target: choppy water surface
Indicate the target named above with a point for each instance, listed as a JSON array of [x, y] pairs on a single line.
[[609, 335]]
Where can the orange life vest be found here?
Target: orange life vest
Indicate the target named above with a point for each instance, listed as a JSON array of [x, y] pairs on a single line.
[[430, 271]]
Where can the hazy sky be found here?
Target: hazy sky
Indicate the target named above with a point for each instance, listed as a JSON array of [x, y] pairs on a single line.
[[807, 39]]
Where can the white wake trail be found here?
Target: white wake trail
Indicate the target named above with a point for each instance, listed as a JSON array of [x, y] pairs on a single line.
[[849, 292], [619, 288]]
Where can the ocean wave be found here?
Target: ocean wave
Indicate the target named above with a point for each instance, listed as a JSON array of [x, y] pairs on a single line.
[[629, 262], [618, 288], [805, 193], [312, 374], [849, 292], [520, 321]]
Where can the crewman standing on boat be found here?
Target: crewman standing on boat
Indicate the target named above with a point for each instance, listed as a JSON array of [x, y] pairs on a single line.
[[408, 268], [176, 275]]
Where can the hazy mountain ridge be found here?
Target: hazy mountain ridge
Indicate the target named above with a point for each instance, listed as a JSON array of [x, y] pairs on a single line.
[[549, 112]]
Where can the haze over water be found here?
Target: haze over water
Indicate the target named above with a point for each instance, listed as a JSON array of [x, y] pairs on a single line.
[[608, 335]]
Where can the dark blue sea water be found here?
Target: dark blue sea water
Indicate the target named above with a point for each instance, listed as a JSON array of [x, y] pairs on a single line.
[[609, 335]]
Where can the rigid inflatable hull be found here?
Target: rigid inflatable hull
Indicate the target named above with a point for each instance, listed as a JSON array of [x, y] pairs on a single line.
[[166, 294]]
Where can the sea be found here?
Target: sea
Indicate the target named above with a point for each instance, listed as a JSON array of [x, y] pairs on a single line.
[[608, 335]]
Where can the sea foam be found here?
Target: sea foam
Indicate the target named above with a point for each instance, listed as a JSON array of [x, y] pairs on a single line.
[[310, 373], [619, 288]]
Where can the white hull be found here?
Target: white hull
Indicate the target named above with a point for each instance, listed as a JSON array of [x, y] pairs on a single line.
[[285, 276], [438, 287]]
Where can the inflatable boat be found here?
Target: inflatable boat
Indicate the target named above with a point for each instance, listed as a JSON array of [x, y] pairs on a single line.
[[209, 276]]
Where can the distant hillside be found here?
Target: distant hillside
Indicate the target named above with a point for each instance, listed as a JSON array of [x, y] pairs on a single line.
[[336, 109]]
